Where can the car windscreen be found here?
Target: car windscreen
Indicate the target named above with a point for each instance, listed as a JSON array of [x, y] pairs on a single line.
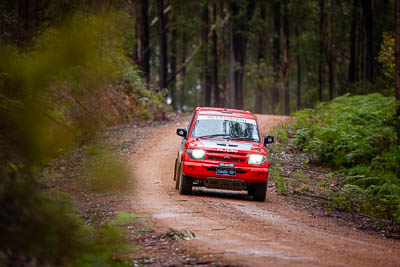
[[225, 127]]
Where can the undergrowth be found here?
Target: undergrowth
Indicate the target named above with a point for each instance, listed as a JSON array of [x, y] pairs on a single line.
[[74, 79], [43, 228], [356, 136]]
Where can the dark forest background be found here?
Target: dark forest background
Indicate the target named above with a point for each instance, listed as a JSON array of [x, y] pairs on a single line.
[[265, 56]]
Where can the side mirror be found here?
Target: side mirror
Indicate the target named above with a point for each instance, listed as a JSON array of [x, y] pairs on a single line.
[[268, 139], [181, 132]]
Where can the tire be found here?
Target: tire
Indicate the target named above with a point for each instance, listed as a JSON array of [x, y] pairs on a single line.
[[250, 190], [260, 192], [175, 175], [185, 183]]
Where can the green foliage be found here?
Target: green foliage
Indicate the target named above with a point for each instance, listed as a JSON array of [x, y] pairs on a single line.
[[386, 55], [281, 182], [45, 227], [74, 79], [355, 134], [105, 171]]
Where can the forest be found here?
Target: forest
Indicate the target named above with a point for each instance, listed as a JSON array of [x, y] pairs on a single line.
[[69, 68]]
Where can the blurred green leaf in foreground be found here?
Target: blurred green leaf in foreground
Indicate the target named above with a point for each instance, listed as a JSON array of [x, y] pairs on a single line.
[[50, 96]]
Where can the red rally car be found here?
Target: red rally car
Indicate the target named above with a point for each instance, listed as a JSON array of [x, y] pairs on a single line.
[[223, 149]]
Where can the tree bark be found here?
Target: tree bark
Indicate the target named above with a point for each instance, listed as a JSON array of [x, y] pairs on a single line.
[[195, 50], [239, 29], [205, 86], [183, 72], [331, 51], [260, 61], [321, 49], [353, 38], [298, 62], [217, 98], [162, 35], [173, 63], [397, 66], [144, 53], [136, 55], [276, 9], [367, 73], [231, 77], [286, 48]]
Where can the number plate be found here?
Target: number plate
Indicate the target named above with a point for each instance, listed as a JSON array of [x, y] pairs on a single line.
[[227, 172]]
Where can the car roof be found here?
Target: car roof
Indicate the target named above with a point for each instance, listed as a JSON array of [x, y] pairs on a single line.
[[224, 112]]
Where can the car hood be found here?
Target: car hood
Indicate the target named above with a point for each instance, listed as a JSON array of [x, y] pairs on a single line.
[[226, 145]]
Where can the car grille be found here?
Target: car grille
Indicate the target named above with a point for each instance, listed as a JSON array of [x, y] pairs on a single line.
[[226, 157], [223, 159]]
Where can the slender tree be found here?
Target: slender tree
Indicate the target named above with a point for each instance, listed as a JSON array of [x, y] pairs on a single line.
[[183, 72], [162, 35], [276, 10], [298, 63], [144, 53], [260, 62], [217, 98], [353, 35], [321, 48], [397, 65], [136, 46], [331, 51], [173, 61], [206, 79], [367, 71], [241, 14], [286, 48]]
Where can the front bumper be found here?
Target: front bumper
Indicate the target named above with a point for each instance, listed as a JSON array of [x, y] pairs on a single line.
[[247, 173]]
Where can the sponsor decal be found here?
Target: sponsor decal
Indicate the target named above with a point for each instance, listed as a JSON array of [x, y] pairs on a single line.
[[227, 150], [226, 118]]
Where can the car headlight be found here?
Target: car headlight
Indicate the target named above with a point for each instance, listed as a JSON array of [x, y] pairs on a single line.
[[257, 159], [196, 153]]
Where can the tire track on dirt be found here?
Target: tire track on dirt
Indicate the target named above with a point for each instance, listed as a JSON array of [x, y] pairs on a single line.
[[246, 232]]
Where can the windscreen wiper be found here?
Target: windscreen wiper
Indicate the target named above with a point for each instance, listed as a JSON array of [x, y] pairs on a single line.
[[244, 138], [214, 135]]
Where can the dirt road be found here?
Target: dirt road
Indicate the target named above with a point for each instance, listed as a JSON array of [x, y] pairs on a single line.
[[243, 232]]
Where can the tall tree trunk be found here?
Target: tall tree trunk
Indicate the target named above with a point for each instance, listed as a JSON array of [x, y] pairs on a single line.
[[276, 9], [353, 36], [239, 28], [183, 73], [260, 61], [231, 76], [144, 53], [205, 86], [162, 35], [331, 51], [286, 48], [224, 56], [367, 73], [321, 49], [397, 67], [298, 63], [174, 36], [136, 51], [359, 50], [217, 99]]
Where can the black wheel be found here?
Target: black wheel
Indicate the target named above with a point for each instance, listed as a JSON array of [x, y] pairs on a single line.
[[185, 183], [250, 190], [260, 192], [175, 175]]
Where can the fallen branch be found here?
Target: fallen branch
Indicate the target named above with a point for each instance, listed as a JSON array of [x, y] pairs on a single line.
[[195, 50]]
